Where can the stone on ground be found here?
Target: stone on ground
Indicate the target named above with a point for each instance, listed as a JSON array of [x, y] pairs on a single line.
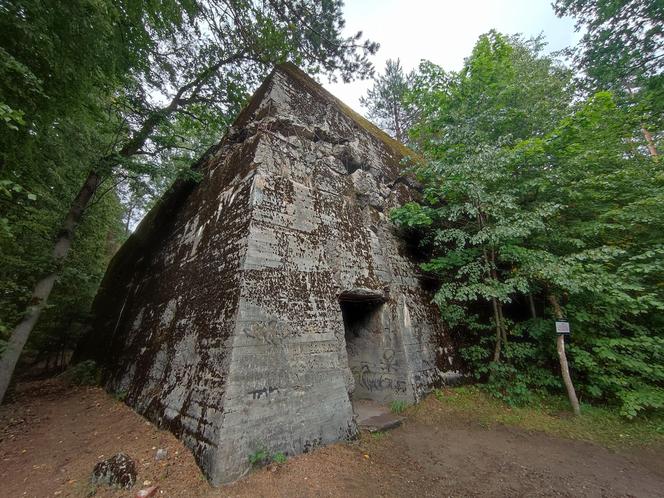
[[117, 471]]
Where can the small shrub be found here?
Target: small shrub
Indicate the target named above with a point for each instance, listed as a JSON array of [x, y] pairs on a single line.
[[626, 371], [85, 373], [259, 458], [398, 406], [120, 395], [262, 457]]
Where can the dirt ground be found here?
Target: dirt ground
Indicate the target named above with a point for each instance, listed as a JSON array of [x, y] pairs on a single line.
[[52, 436]]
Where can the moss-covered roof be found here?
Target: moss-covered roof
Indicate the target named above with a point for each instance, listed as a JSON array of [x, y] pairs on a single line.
[[313, 87]]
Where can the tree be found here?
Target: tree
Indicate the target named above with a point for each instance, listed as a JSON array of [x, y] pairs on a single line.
[[385, 101], [59, 66], [623, 38], [602, 251], [487, 101], [554, 205], [622, 50], [472, 212], [197, 59]]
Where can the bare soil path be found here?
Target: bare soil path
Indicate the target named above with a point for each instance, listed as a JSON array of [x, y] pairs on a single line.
[[51, 437]]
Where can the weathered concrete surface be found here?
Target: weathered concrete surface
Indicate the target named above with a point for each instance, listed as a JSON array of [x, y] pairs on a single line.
[[374, 417], [221, 318]]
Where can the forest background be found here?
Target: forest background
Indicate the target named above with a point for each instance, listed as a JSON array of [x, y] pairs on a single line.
[[542, 182]]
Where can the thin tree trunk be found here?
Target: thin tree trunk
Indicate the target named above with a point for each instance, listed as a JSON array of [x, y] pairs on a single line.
[[397, 123], [496, 317], [503, 328], [531, 304], [498, 305], [43, 288], [564, 367], [129, 213], [646, 134], [649, 141]]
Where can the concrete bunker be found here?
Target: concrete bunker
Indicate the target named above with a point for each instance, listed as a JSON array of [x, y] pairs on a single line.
[[300, 280]]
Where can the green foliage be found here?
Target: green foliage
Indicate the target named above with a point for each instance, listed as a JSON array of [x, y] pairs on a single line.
[[621, 50], [85, 373], [622, 38], [520, 205], [386, 100], [263, 457], [398, 406], [259, 458], [626, 370], [486, 102]]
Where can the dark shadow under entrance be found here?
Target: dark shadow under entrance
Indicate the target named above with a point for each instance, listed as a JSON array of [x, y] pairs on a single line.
[[364, 327]]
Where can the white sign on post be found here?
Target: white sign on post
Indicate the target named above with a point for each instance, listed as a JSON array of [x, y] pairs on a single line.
[[562, 327]]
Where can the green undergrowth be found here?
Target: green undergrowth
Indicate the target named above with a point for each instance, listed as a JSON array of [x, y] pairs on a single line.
[[551, 415], [398, 406], [262, 457]]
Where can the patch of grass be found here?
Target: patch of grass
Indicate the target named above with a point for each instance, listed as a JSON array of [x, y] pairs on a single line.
[[378, 435], [398, 406], [553, 415], [263, 457]]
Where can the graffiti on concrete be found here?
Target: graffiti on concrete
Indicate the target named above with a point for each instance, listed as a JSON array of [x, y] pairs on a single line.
[[377, 381]]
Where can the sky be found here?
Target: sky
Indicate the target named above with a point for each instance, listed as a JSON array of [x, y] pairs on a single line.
[[443, 31]]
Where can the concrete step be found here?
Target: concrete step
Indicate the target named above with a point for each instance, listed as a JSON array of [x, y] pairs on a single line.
[[374, 417], [381, 423]]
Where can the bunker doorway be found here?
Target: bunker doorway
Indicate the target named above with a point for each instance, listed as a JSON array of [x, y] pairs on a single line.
[[362, 312]]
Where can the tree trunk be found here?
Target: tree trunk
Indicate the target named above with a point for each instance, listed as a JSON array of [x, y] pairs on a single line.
[[650, 142], [564, 367], [44, 286], [397, 123], [503, 328], [531, 304], [129, 213], [496, 317]]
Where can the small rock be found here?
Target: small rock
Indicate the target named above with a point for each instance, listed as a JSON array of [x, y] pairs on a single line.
[[118, 471], [161, 454], [145, 493]]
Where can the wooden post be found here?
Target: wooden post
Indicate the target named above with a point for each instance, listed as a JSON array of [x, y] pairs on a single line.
[[564, 367]]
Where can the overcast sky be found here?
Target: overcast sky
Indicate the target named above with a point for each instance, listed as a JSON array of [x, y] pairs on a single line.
[[443, 31]]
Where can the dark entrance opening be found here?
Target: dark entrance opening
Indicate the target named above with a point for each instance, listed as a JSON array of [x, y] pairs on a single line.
[[363, 325]]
